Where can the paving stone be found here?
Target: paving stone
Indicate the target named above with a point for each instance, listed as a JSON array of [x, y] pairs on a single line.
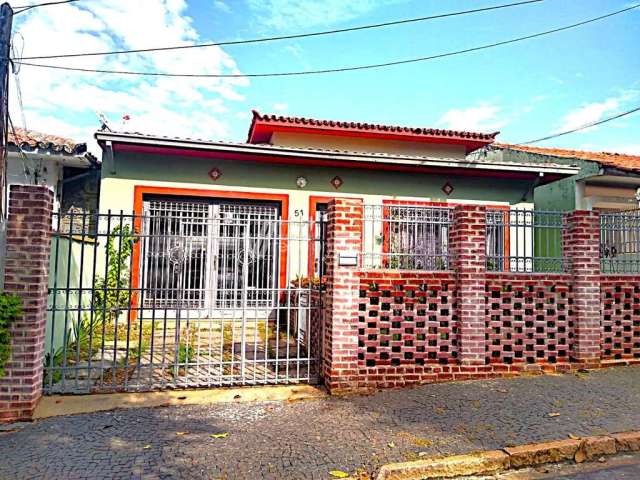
[[307, 439]]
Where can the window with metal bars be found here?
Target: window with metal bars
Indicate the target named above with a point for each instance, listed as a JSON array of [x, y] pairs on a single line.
[[209, 255], [411, 237]]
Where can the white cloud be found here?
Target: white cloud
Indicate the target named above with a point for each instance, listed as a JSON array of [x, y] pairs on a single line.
[[302, 14], [280, 107], [596, 111], [483, 118], [171, 106], [222, 6]]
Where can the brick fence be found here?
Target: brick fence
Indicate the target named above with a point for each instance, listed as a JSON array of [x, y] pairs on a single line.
[[389, 328], [28, 247]]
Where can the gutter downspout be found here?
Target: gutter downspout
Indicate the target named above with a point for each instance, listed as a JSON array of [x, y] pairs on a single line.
[[111, 162], [532, 187]]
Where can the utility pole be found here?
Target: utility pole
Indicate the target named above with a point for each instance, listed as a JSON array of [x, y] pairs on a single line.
[[6, 21]]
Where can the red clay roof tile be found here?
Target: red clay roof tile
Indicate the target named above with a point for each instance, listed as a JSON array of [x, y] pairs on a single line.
[[281, 120], [32, 139], [611, 159]]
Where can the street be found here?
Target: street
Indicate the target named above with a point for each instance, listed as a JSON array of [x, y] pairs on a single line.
[[308, 439]]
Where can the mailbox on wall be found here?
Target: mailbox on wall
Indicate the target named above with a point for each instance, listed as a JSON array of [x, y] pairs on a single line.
[[348, 259]]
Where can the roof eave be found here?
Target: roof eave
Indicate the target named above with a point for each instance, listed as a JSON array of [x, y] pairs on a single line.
[[270, 150]]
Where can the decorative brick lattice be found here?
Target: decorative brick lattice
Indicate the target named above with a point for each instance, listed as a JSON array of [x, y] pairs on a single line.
[[529, 319], [620, 318], [407, 319]]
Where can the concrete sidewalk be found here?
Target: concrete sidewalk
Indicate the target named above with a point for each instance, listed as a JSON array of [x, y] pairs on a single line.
[[308, 439]]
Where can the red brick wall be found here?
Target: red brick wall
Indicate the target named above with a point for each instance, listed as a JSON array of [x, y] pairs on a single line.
[[620, 296], [416, 327], [529, 318], [582, 249], [340, 329], [406, 320], [26, 275], [468, 252]]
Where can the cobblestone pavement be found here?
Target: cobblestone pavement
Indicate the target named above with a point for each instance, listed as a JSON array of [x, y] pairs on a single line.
[[308, 439]]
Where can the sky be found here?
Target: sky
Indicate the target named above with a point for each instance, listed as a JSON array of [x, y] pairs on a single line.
[[525, 90]]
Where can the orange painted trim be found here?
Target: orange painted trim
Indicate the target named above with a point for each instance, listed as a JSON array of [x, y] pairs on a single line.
[[140, 190], [314, 200]]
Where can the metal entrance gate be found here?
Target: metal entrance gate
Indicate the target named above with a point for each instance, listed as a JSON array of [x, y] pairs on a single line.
[[189, 293]]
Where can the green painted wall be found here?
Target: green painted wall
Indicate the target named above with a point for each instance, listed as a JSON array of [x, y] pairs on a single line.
[[555, 196], [356, 181], [559, 195]]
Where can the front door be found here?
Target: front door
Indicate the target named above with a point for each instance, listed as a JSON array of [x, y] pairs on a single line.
[[209, 257]]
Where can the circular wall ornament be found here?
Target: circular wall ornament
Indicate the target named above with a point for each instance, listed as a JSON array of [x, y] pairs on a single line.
[[301, 182]]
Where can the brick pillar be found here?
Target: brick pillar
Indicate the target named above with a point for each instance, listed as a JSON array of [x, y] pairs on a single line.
[[582, 251], [468, 251], [340, 336], [28, 247]]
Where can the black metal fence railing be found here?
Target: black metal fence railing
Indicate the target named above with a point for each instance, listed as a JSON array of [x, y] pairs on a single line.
[[620, 242], [525, 241]]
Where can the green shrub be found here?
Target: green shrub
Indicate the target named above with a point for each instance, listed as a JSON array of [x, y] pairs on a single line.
[[10, 309]]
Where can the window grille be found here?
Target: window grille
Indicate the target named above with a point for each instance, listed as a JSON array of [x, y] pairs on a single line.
[[409, 237]]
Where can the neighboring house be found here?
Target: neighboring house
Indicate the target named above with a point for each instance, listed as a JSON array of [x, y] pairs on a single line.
[[289, 169], [63, 164], [606, 181]]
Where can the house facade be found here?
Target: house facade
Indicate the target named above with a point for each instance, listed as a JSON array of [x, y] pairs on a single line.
[[206, 258], [290, 167]]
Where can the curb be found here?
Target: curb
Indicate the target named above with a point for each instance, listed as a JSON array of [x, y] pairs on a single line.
[[494, 461], [57, 405]]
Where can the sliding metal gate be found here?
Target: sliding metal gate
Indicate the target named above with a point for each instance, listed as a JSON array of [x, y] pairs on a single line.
[[190, 293]]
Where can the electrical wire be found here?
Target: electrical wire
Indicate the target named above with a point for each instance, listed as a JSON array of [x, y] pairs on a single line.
[[24, 8], [287, 37], [16, 77], [35, 171], [333, 70], [582, 127]]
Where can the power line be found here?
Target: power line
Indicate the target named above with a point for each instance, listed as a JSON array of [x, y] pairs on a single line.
[[333, 70], [25, 160], [288, 37], [582, 127], [24, 8]]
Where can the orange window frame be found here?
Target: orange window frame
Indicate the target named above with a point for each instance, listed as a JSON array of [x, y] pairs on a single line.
[[141, 190]]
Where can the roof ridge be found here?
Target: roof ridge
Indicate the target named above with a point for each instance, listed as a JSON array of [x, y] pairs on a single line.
[[279, 118]]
